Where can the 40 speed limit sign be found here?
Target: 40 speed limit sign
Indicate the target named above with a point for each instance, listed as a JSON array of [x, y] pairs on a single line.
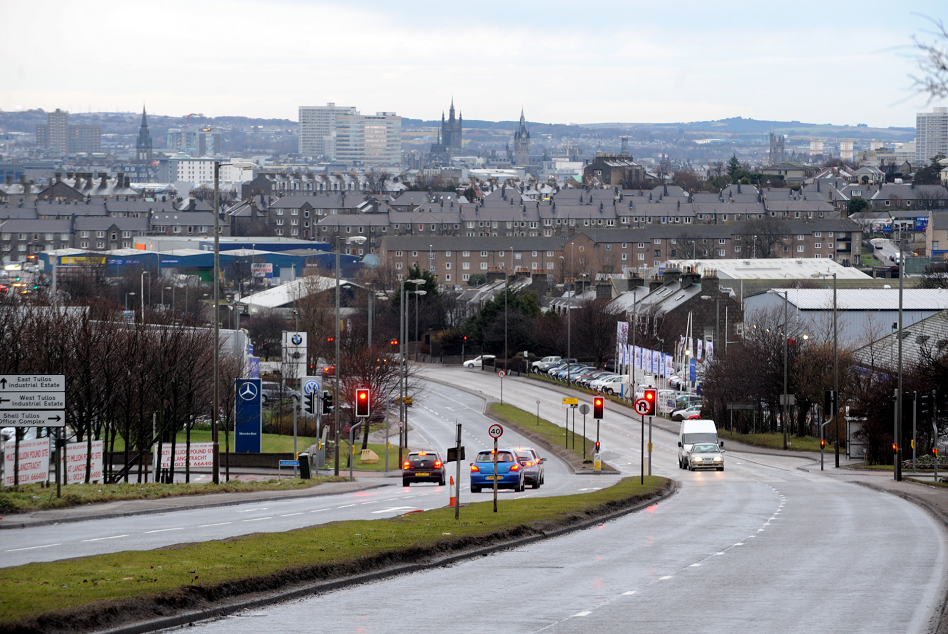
[[495, 431]]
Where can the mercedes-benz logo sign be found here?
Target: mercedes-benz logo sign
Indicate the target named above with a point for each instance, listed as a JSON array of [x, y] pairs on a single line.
[[296, 339], [248, 392]]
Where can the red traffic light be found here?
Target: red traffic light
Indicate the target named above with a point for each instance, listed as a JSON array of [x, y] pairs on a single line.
[[895, 447], [465, 337], [935, 451], [822, 443], [598, 402], [650, 395], [394, 342], [362, 402], [330, 339]]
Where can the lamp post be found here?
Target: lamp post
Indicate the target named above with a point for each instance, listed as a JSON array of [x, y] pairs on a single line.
[[784, 398], [144, 273], [338, 370], [163, 289], [403, 331], [417, 293], [835, 366], [126, 299]]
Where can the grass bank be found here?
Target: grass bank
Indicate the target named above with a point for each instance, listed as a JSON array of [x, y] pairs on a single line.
[[271, 443], [775, 441], [105, 590], [570, 442], [359, 465], [32, 497]]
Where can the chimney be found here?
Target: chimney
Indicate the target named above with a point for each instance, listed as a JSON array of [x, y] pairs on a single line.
[[9, 179], [671, 275], [105, 180], [690, 277], [710, 283], [604, 290], [59, 177], [120, 179], [654, 283], [128, 182]]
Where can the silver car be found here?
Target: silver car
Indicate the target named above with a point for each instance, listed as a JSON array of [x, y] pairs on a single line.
[[705, 456]]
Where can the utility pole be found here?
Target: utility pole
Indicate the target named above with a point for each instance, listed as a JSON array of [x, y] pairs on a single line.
[[898, 416], [215, 411]]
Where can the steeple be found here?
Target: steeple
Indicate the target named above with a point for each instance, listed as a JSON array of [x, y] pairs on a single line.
[[144, 117], [143, 144]]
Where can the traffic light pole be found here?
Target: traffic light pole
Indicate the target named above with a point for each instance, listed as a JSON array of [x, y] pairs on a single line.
[[643, 449], [914, 419]]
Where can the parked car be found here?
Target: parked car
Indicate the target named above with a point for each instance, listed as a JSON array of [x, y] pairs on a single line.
[[532, 463], [544, 364], [271, 391], [611, 384], [705, 456], [423, 466], [586, 380], [510, 475], [561, 365], [686, 413], [478, 362]]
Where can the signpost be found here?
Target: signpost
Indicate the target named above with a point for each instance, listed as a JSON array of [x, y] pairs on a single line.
[[34, 400], [248, 426], [495, 431], [501, 374], [294, 353], [584, 409]]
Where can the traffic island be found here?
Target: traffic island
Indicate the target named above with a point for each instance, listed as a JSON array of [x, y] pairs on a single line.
[[141, 591], [566, 445]]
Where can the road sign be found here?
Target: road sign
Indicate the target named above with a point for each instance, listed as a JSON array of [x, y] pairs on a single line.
[[32, 400], [289, 463], [401, 424], [311, 384], [642, 406], [584, 409], [248, 423], [501, 374], [570, 401], [495, 431], [407, 400], [33, 418]]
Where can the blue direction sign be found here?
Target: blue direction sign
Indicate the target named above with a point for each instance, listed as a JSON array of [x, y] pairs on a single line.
[[248, 427], [311, 384], [289, 463]]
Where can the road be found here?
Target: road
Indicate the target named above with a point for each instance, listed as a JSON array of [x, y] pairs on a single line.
[[433, 427], [765, 546]]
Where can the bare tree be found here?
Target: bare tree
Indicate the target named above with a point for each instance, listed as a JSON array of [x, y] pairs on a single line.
[[933, 63]]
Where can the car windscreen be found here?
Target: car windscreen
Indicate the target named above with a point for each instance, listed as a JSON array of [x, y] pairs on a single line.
[[704, 449], [502, 456], [691, 439]]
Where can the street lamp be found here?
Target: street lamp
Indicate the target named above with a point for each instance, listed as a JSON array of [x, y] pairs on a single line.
[[403, 375], [784, 398], [417, 293], [126, 298], [163, 289], [835, 364], [144, 273], [338, 370]]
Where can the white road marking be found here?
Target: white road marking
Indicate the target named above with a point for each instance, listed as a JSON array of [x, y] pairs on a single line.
[[318, 510], [625, 594], [665, 577], [586, 613], [291, 514], [98, 539], [220, 524], [739, 544], [392, 509], [257, 519], [15, 550], [164, 530], [694, 565], [345, 506], [252, 510]]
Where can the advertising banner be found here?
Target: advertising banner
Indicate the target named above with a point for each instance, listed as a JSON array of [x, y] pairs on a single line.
[[74, 462], [202, 455], [34, 461], [248, 428], [709, 351]]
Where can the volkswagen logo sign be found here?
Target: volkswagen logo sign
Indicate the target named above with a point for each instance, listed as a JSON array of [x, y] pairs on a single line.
[[296, 339], [248, 392]]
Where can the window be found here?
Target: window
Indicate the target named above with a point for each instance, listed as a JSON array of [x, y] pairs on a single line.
[[447, 266], [625, 256], [279, 212], [887, 203], [737, 249], [817, 234], [84, 234], [483, 266], [447, 277], [641, 245], [398, 266], [125, 234], [279, 222], [581, 249], [721, 241], [817, 255], [465, 254], [800, 237], [398, 254], [414, 254], [447, 254], [517, 256], [829, 235], [608, 247], [483, 254], [549, 266], [465, 266], [657, 240], [641, 256], [800, 249], [658, 253], [466, 277], [534, 254], [549, 254], [720, 253], [829, 245], [98, 245], [817, 245], [83, 245], [99, 234]]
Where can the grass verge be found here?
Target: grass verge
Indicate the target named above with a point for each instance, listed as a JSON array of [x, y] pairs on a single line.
[[358, 465], [554, 435], [105, 590], [32, 497], [775, 441], [271, 443]]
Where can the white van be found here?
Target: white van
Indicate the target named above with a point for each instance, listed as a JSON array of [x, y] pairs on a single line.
[[695, 431]]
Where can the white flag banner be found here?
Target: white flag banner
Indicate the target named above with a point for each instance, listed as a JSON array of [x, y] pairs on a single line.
[[699, 350], [669, 365], [656, 362], [74, 462], [709, 351], [638, 358], [34, 461]]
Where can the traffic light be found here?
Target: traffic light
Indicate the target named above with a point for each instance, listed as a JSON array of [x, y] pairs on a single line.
[[362, 403], [327, 402], [829, 402], [597, 407], [394, 342], [924, 405], [822, 443], [309, 405], [650, 396], [330, 339], [597, 446]]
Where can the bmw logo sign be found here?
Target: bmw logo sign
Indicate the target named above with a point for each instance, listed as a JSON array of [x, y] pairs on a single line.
[[297, 340]]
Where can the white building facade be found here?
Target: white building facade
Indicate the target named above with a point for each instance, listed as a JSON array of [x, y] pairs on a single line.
[[931, 135]]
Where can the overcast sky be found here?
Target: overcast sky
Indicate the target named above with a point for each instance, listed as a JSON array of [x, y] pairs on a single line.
[[563, 62]]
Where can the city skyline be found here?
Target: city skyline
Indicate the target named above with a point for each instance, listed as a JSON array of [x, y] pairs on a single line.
[[754, 62]]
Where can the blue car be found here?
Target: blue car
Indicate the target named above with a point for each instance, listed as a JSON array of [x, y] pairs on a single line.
[[510, 473]]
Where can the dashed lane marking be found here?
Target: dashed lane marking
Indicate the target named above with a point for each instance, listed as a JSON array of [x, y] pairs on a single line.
[[257, 519], [218, 524], [164, 530], [98, 539], [15, 550]]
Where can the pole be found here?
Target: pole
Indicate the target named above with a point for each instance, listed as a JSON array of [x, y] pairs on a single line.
[[495, 475], [416, 323], [457, 480], [642, 457], [338, 405], [217, 327], [296, 453], [584, 436], [650, 444], [573, 407], [62, 431], [786, 335], [371, 311], [388, 443], [898, 416], [935, 444], [538, 412], [567, 429], [836, 378], [914, 417]]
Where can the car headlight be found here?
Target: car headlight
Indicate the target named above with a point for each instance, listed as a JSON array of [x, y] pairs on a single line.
[[718, 459], [698, 459]]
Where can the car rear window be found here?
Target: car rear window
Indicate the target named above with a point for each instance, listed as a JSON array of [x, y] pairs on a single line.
[[426, 458], [528, 455], [502, 456]]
